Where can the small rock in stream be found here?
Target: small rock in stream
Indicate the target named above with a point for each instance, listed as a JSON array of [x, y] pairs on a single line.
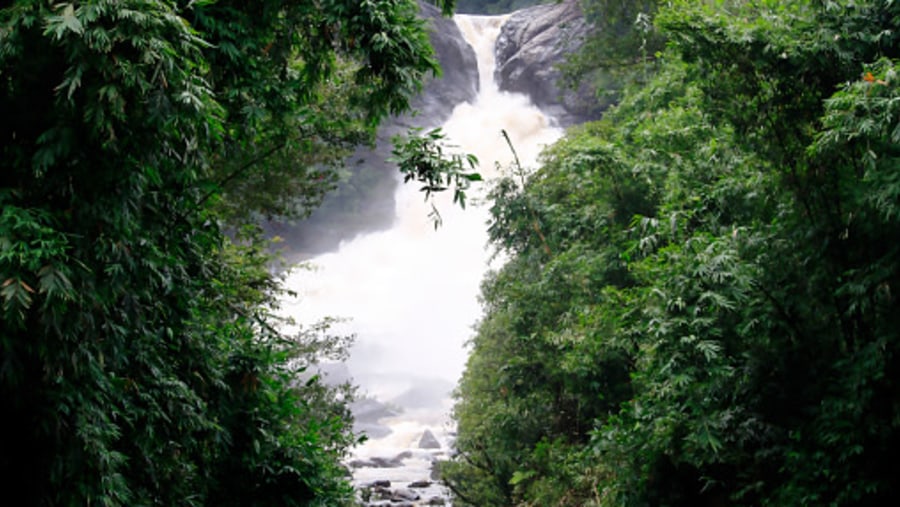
[[382, 493], [379, 462], [402, 495], [429, 441]]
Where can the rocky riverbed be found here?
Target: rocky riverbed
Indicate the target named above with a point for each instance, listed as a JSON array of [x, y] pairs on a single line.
[[402, 467]]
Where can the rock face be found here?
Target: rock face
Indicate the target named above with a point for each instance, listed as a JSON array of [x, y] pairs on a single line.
[[531, 44], [459, 80], [381, 462], [365, 202]]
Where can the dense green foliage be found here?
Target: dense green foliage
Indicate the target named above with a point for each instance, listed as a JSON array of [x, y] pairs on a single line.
[[141, 359], [698, 306]]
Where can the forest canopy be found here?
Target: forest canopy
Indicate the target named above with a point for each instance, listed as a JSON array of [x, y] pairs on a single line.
[[699, 306], [142, 361]]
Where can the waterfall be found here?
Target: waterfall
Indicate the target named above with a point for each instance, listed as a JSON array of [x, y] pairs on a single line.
[[411, 291]]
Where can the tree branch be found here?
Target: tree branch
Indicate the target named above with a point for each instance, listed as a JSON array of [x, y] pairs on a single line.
[[239, 172]]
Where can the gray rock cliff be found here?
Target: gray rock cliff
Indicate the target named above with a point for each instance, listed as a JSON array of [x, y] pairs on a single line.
[[459, 80], [531, 44]]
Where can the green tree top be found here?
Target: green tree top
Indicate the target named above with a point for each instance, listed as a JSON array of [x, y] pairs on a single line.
[[140, 360]]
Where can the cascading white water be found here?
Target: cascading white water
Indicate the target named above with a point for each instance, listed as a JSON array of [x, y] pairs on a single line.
[[411, 291]]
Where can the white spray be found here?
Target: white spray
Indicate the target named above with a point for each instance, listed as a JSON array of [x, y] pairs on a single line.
[[411, 291]]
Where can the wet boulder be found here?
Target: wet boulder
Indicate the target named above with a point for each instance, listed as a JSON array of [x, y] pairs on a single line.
[[429, 441]]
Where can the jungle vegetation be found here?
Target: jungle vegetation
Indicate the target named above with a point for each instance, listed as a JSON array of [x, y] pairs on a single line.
[[142, 358], [698, 306]]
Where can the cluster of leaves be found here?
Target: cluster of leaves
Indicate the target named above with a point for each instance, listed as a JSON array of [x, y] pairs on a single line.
[[424, 158], [141, 362], [698, 306]]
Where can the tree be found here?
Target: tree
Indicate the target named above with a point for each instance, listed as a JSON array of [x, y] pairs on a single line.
[[141, 361], [704, 278]]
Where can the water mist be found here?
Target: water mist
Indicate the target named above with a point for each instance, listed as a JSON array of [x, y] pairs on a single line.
[[411, 291]]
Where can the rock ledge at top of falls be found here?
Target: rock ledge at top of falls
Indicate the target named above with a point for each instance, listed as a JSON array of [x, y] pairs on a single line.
[[531, 44]]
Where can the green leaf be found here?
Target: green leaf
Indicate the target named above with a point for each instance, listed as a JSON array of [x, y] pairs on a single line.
[[520, 476], [70, 20]]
